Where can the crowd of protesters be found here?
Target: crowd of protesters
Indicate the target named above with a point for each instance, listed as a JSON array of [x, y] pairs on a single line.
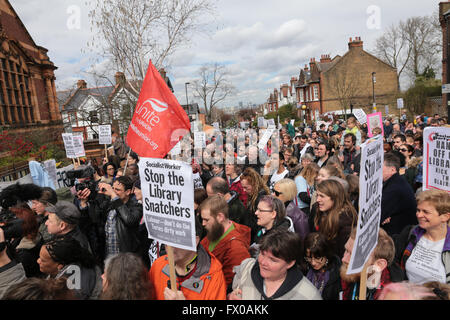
[[283, 228]]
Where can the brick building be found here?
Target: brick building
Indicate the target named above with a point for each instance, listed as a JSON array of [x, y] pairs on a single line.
[[330, 84], [282, 97], [27, 81], [444, 19]]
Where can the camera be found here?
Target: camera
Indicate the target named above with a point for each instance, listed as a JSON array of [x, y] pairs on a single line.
[[83, 172], [12, 226]]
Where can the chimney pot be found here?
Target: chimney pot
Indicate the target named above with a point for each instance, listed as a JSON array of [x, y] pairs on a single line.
[[120, 78], [81, 84]]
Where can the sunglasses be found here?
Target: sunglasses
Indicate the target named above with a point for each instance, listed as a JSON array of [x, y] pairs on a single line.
[[277, 193], [403, 150]]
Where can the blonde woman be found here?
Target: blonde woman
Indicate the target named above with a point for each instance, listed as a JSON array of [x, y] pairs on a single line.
[[305, 186]]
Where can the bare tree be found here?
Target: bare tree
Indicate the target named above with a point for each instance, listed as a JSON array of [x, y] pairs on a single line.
[[424, 41], [346, 87], [131, 32], [213, 86], [392, 47], [411, 46]]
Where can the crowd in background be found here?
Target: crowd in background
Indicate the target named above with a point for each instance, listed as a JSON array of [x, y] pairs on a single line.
[[279, 229]]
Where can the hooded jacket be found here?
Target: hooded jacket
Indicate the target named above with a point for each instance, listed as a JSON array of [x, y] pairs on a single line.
[[231, 250], [294, 287], [207, 282], [406, 241]]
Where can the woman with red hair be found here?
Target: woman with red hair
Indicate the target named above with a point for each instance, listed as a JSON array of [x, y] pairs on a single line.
[[26, 249]]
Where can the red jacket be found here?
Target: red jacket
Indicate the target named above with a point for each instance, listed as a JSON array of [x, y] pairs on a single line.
[[231, 250], [207, 282]]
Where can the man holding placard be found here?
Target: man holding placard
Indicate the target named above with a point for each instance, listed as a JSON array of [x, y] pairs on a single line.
[[368, 246], [380, 269], [199, 274], [168, 203]]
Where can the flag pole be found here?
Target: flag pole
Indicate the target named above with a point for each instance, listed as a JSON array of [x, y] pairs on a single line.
[[126, 163]]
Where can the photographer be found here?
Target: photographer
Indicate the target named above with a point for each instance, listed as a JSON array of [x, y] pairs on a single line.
[[123, 214], [11, 272], [87, 200]]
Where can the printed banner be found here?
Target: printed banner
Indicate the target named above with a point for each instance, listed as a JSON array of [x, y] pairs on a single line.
[[68, 145], [436, 155], [78, 146], [104, 134], [168, 201], [370, 189]]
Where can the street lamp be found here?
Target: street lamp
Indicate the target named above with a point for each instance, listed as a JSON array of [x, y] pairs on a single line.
[[187, 101], [304, 114], [374, 80]]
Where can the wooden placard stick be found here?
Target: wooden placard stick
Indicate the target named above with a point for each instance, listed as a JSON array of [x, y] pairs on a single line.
[[363, 284], [173, 278], [106, 152]]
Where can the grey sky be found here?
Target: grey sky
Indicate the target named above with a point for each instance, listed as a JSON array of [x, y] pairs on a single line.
[[263, 42]]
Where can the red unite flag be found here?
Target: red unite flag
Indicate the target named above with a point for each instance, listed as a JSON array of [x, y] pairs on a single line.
[[159, 121]]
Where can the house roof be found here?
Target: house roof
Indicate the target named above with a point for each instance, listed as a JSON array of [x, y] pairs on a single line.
[[72, 100]]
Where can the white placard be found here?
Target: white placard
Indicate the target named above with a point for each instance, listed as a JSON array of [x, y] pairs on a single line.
[[104, 134], [68, 145], [216, 125], [261, 122], [78, 146], [446, 88], [370, 190], [400, 103], [265, 138], [50, 167], [199, 139], [176, 150], [360, 115], [168, 202], [436, 152], [194, 126], [271, 123], [320, 122]]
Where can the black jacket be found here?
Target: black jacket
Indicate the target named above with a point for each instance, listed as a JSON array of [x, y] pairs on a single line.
[[127, 222], [399, 203], [333, 286], [237, 212]]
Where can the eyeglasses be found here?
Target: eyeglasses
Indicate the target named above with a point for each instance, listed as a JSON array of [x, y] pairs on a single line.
[[277, 193], [403, 150], [260, 210], [319, 260]]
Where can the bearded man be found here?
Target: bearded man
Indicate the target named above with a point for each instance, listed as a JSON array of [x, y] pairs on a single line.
[[227, 240], [381, 269]]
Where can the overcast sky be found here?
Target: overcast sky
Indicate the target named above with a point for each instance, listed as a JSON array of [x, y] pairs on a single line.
[[263, 42]]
